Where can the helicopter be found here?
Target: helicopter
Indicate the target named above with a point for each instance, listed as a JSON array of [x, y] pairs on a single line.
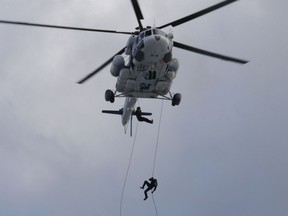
[[149, 68]]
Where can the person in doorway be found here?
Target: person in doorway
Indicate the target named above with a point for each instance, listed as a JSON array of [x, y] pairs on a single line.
[[152, 185], [140, 118]]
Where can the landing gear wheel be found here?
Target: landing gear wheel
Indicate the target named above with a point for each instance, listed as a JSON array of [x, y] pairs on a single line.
[[109, 96], [176, 99]]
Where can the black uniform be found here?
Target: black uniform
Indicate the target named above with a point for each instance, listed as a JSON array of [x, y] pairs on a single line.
[[140, 118], [150, 185]]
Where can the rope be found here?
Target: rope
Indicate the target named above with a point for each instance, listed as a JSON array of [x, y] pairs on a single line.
[[130, 160], [157, 141], [155, 155], [154, 205], [128, 168]]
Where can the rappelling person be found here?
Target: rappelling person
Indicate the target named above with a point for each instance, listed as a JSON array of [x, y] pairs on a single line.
[[150, 185], [140, 118]]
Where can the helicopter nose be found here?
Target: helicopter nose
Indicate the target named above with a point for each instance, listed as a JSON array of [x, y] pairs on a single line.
[[157, 37]]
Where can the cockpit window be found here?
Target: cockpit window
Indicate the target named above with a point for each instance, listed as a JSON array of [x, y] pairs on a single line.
[[148, 33], [141, 36], [159, 32]]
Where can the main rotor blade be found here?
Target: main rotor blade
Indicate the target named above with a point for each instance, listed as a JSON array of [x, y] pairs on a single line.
[[62, 27], [207, 53], [198, 14], [101, 67], [138, 13]]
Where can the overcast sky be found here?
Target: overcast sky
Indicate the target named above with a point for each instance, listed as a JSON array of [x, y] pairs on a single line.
[[222, 152]]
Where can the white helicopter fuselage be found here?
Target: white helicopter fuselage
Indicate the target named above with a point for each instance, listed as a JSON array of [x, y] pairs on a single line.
[[148, 71]]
